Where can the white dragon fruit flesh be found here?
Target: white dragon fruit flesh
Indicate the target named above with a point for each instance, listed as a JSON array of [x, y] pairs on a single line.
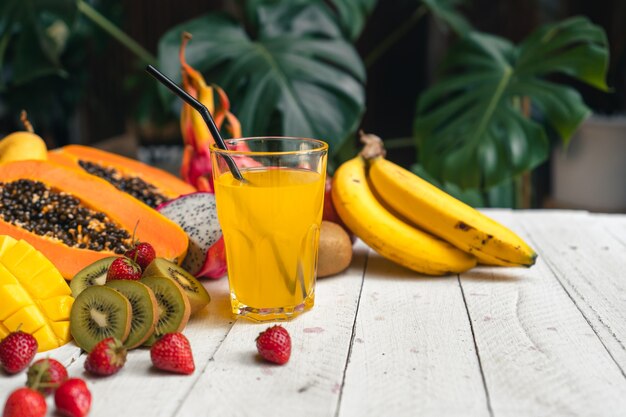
[[196, 214]]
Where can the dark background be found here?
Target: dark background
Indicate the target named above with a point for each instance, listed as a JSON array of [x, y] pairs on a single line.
[[115, 82]]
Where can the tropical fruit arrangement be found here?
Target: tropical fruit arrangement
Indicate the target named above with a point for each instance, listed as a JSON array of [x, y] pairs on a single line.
[[415, 224]]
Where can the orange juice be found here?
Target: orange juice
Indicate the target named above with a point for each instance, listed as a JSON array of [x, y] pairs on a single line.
[[271, 231]]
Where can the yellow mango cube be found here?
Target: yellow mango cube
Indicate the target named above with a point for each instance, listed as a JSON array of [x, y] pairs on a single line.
[[46, 283], [15, 254], [7, 278], [6, 242], [62, 330], [4, 332], [14, 298], [29, 319], [46, 339], [57, 308]]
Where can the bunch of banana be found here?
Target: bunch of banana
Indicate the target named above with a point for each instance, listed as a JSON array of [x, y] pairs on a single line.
[[415, 224]]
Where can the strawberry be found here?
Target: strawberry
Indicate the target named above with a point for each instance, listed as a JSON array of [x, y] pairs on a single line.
[[124, 268], [107, 357], [73, 398], [172, 352], [45, 375], [274, 344], [143, 253], [25, 402], [17, 350]]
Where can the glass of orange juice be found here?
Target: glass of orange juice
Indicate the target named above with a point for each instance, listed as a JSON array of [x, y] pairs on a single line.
[[270, 221]]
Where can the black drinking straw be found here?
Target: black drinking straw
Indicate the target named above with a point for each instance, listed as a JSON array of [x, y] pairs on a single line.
[[204, 112]]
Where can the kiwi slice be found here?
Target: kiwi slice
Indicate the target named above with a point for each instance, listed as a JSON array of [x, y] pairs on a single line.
[[173, 306], [144, 310], [97, 313], [92, 274], [198, 295]]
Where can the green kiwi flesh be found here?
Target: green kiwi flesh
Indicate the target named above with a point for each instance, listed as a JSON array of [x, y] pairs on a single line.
[[92, 274], [97, 313], [198, 295], [173, 306], [145, 313]]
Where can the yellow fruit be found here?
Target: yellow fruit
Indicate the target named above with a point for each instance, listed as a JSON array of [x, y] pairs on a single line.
[[394, 239], [34, 296], [439, 213], [21, 146]]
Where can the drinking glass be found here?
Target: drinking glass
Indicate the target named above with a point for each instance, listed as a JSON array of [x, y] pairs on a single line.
[[270, 221]]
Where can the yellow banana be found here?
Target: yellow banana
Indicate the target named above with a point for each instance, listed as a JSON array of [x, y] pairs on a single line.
[[443, 215], [385, 233]]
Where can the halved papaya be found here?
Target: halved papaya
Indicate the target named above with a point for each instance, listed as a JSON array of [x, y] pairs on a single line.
[[74, 218], [150, 185]]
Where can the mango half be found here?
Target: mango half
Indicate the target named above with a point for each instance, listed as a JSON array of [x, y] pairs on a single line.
[[33, 295]]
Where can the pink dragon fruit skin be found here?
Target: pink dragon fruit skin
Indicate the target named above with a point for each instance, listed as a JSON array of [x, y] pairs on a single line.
[[196, 214]]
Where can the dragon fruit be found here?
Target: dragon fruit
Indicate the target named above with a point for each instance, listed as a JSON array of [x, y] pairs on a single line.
[[195, 213]]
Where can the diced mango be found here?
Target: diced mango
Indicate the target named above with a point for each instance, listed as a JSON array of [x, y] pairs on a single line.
[[29, 319], [14, 255], [6, 277], [14, 298], [46, 339], [33, 295], [62, 330], [4, 332], [6, 242], [47, 283], [57, 308]]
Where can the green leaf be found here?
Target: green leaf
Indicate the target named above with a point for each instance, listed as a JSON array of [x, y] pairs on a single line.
[[39, 30], [445, 11], [295, 76], [470, 127], [353, 15]]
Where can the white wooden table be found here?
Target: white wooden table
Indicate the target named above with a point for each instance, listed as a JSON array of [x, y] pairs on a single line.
[[383, 341]]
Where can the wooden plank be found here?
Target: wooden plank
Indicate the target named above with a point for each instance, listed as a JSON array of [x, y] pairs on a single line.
[[237, 382], [589, 261], [139, 389], [539, 355], [414, 353]]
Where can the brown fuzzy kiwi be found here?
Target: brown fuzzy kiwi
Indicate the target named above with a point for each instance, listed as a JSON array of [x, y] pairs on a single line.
[[145, 313], [97, 313], [335, 249], [173, 306]]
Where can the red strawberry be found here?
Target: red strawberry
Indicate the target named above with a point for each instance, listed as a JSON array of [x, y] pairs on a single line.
[[143, 253], [45, 375], [73, 398], [17, 350], [25, 402], [107, 357], [172, 352], [124, 268], [274, 344]]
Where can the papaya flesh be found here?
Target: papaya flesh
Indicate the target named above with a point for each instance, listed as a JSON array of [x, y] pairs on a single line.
[[148, 184], [75, 219]]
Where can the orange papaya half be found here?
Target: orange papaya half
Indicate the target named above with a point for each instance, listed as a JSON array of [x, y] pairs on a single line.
[[75, 219], [150, 185]]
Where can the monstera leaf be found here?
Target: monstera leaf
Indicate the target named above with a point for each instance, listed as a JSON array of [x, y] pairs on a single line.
[[38, 29], [445, 11], [470, 127], [353, 15], [288, 70]]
